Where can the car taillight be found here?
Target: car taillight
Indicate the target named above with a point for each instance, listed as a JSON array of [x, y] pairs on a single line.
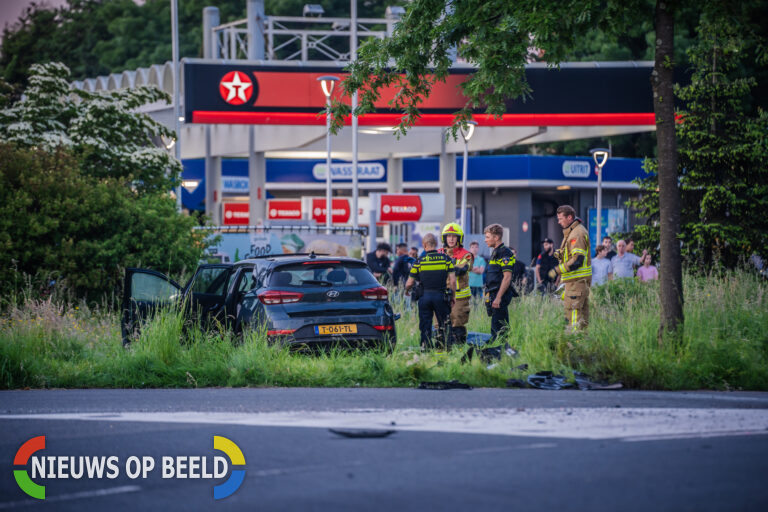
[[378, 293], [281, 332], [273, 297], [383, 327]]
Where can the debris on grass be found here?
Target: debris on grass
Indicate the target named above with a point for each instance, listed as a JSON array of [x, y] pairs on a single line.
[[549, 381], [444, 384]]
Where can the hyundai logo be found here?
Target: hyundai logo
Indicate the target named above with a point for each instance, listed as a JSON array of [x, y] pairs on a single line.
[[332, 294]]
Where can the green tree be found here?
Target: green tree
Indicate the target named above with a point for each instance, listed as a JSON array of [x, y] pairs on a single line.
[[104, 130], [97, 37], [723, 149], [84, 189]]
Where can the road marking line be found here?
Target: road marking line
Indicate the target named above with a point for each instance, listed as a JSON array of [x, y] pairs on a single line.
[[73, 496], [575, 423]]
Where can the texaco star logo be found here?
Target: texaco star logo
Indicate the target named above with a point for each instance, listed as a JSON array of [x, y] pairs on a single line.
[[236, 88]]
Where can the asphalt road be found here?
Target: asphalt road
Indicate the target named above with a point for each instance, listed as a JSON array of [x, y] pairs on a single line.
[[452, 450]]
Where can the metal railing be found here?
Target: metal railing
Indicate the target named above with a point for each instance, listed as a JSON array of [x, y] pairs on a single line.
[[292, 228], [295, 38]]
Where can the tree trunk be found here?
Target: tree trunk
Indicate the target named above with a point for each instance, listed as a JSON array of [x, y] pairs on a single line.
[[671, 274]]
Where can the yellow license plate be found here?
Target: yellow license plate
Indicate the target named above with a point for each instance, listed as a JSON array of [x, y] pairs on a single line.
[[339, 329]]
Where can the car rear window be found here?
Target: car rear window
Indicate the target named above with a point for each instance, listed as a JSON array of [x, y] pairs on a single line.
[[322, 274]]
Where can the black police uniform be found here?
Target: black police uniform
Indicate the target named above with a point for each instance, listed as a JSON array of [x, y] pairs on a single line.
[[502, 260], [432, 271]]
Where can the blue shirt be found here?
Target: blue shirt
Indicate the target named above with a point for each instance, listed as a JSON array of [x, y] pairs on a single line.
[[601, 267], [624, 266], [401, 268], [476, 280]]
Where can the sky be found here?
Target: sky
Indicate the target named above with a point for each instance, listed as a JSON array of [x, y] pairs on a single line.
[[10, 10]]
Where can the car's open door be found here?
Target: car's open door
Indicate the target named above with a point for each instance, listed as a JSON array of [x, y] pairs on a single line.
[[207, 293], [144, 291]]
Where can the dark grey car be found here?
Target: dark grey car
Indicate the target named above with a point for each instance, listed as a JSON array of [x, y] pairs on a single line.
[[304, 300]]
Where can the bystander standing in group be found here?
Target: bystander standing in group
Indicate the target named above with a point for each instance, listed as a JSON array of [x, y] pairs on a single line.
[[519, 279], [602, 270], [414, 253], [476, 276], [545, 262], [402, 266], [608, 244], [647, 272], [624, 263], [378, 261]]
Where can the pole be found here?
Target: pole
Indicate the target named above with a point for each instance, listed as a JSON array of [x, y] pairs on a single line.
[[176, 89], [353, 56], [328, 209], [464, 187], [599, 203]]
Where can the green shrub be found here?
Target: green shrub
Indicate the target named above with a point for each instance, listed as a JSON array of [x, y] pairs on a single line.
[[60, 225]]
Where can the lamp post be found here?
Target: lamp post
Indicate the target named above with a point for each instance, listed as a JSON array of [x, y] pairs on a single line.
[[327, 83], [353, 57], [466, 134], [600, 156], [176, 90]]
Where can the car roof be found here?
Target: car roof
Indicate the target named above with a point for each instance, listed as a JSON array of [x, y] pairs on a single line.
[[295, 258]]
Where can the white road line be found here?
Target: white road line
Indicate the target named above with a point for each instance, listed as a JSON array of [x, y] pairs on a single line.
[[72, 496], [635, 424]]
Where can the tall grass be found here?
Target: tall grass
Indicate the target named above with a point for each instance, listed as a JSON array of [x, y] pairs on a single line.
[[724, 345]]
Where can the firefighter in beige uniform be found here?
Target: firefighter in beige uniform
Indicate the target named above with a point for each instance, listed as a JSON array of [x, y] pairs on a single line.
[[575, 268], [453, 246]]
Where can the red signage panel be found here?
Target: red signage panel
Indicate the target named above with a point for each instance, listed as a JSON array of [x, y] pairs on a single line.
[[236, 214], [400, 208], [340, 206], [284, 209]]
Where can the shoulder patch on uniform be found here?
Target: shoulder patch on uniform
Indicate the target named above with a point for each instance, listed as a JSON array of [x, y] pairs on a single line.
[[505, 260], [573, 241]]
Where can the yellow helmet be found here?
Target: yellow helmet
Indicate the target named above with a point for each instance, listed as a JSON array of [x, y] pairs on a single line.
[[453, 229]]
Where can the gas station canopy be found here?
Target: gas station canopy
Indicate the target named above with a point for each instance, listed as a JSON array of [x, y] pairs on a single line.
[[283, 102]]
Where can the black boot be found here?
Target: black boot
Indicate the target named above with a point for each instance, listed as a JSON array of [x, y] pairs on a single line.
[[459, 335]]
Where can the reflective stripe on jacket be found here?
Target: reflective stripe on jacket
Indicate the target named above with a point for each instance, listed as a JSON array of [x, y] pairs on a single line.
[[462, 260], [575, 244]]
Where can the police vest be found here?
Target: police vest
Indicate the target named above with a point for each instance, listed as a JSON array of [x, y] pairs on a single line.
[[432, 270], [502, 260]]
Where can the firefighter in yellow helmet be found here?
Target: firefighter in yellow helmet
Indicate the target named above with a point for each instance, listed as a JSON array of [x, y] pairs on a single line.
[[453, 246]]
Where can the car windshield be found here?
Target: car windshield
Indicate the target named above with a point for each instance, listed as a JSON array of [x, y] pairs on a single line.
[[322, 274]]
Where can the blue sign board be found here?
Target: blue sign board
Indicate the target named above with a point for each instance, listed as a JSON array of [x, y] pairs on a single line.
[[612, 220]]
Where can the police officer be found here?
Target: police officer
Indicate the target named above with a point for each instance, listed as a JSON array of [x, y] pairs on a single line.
[[433, 270], [575, 268], [498, 291], [453, 246]]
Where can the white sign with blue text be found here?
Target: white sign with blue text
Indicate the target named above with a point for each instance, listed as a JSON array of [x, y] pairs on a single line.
[[576, 169], [343, 171]]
